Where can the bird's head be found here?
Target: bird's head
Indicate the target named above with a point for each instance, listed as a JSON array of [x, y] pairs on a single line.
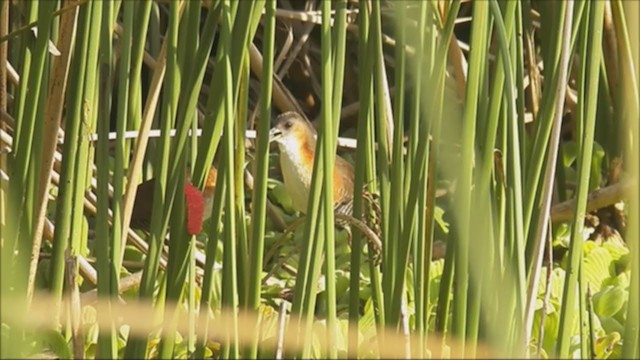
[[292, 132]]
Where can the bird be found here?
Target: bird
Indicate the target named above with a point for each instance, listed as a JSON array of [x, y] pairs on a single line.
[[296, 139]]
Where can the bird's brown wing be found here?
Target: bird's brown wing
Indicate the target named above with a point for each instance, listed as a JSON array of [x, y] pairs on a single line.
[[343, 175]]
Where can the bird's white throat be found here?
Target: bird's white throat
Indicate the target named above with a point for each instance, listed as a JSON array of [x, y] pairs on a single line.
[[297, 177]]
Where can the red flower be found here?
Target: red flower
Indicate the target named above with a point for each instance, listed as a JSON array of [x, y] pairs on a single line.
[[195, 208]]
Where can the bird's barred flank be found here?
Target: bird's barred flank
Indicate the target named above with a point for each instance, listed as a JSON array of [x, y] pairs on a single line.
[[371, 214]]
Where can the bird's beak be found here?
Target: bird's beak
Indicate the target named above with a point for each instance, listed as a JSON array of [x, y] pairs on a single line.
[[274, 134]]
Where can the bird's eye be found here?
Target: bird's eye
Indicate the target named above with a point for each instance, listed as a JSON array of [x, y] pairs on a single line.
[[288, 124]]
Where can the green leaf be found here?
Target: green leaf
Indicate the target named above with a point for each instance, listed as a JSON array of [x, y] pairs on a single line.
[[90, 351], [596, 267], [280, 195], [616, 247], [611, 325], [570, 153], [609, 301], [367, 321], [438, 215], [89, 315], [343, 336], [92, 336], [596, 166], [604, 345], [621, 280], [437, 267], [562, 235], [557, 283], [551, 326], [268, 321], [131, 253], [58, 344]]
